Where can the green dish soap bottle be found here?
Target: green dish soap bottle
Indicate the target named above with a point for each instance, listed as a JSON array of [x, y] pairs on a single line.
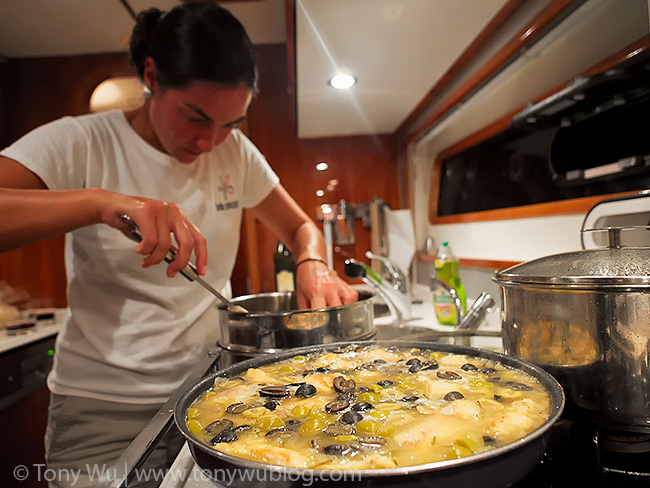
[[448, 271]]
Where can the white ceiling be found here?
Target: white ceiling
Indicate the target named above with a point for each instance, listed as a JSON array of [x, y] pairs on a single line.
[[397, 49]]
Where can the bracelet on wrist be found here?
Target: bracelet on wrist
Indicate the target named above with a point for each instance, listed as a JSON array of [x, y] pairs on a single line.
[[309, 259]]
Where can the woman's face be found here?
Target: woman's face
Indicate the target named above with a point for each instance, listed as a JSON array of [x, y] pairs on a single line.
[[194, 120]]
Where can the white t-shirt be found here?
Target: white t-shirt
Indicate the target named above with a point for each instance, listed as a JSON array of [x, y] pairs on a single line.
[[133, 335]]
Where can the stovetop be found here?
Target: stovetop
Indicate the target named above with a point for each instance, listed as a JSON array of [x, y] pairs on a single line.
[[579, 455], [582, 454]]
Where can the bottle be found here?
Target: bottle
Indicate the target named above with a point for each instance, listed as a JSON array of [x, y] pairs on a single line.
[[285, 270], [448, 271]]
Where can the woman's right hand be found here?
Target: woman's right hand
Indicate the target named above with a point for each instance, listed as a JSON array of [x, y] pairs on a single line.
[[157, 221]]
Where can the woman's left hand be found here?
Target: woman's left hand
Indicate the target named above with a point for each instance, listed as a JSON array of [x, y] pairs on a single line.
[[318, 287]]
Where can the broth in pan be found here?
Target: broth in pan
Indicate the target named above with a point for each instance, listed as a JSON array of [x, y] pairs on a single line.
[[368, 407]]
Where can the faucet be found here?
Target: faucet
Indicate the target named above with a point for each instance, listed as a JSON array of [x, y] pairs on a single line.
[[476, 313], [392, 286]]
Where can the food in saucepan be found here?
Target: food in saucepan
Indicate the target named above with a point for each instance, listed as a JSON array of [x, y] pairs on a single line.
[[557, 344], [368, 407]]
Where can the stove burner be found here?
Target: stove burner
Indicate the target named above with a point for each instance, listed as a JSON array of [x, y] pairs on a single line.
[[624, 442]]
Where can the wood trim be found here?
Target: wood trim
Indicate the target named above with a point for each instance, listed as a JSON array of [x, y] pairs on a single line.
[[465, 59], [576, 205], [487, 263], [470, 263], [543, 209], [128, 8], [554, 11]]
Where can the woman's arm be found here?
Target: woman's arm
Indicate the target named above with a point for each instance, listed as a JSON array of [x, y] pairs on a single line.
[[30, 212], [317, 285]]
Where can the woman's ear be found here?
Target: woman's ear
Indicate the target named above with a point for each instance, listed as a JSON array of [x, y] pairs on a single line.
[[149, 75]]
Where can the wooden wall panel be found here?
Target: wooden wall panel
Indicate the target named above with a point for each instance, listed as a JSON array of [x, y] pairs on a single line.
[[36, 91]]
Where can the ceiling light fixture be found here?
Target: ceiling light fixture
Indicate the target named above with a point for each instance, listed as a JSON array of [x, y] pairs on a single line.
[[322, 166], [343, 81]]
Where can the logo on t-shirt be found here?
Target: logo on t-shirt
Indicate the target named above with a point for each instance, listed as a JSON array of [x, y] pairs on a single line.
[[227, 189]]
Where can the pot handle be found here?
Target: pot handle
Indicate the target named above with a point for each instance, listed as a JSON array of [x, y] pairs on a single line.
[[589, 215]]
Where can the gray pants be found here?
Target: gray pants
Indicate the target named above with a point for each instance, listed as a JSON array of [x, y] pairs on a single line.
[[84, 437]]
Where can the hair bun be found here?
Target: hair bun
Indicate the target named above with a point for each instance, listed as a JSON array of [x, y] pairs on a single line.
[[145, 24]]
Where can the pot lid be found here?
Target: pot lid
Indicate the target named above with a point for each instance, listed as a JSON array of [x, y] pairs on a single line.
[[623, 266]]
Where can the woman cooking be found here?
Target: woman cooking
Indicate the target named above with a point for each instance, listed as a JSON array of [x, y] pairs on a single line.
[[183, 172]]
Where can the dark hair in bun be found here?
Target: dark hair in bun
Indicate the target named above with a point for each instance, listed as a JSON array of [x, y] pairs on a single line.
[[196, 41]]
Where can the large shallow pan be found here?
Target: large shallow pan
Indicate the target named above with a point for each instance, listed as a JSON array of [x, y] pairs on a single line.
[[497, 468]]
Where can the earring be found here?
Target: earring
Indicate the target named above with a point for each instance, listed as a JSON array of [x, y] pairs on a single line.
[[147, 93]]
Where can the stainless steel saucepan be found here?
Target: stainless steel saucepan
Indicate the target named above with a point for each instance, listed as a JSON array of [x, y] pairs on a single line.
[[274, 324], [584, 317]]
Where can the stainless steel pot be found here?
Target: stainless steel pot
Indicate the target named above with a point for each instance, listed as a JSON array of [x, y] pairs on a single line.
[[496, 468], [274, 323], [585, 317]]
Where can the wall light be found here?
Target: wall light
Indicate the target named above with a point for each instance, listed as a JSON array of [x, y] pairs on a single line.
[[343, 81], [121, 92]]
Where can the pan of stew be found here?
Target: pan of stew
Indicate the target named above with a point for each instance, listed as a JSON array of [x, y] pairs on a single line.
[[371, 413]]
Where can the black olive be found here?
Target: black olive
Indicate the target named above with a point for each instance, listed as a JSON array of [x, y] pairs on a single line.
[[385, 383], [413, 361], [225, 436], [468, 367], [415, 368], [488, 370], [366, 366], [362, 406], [282, 432], [489, 441], [322, 369], [513, 385], [300, 383], [335, 430], [379, 361], [336, 406], [364, 389], [237, 408], [292, 423], [497, 398], [275, 391], [306, 391], [430, 364], [219, 426], [410, 398], [351, 418], [448, 375], [348, 397], [271, 405], [336, 449], [241, 428], [454, 395], [342, 385], [494, 379]]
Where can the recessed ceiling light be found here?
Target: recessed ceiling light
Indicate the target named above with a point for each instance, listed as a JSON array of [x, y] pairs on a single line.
[[343, 81], [320, 193], [322, 166]]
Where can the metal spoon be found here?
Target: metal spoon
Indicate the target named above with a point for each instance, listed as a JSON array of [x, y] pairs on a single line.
[[188, 272]]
